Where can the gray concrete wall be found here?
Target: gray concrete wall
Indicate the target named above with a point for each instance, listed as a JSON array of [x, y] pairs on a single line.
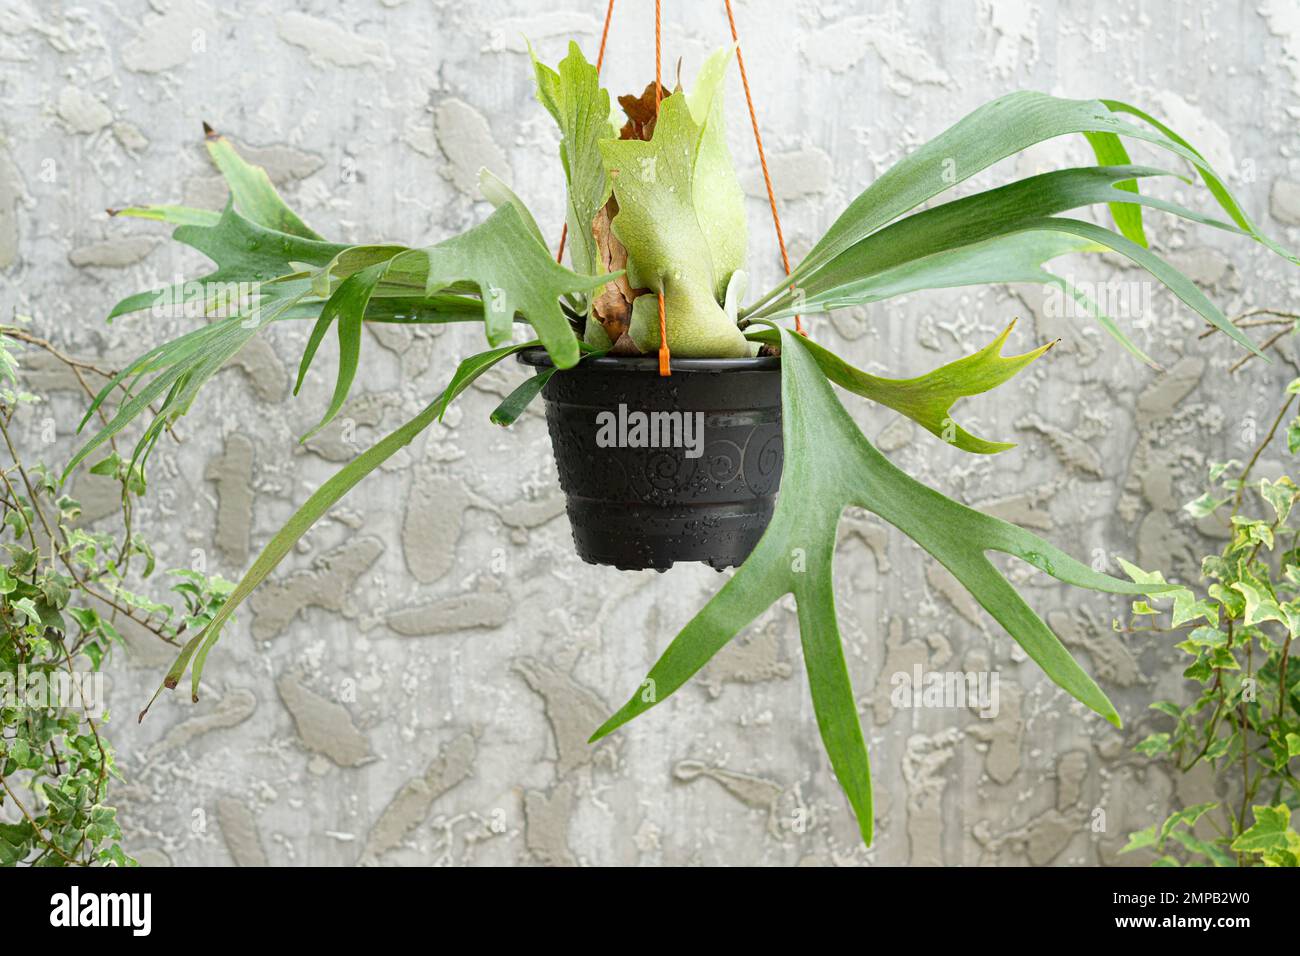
[[417, 685]]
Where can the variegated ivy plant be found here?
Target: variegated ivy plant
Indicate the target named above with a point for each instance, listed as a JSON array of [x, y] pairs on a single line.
[[656, 208]]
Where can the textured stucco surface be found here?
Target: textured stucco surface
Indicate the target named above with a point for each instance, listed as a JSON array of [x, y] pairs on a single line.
[[417, 684]]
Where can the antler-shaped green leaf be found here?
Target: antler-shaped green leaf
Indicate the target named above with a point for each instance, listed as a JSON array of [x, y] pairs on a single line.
[[251, 187], [830, 466], [271, 267], [243, 251], [928, 399], [500, 257]]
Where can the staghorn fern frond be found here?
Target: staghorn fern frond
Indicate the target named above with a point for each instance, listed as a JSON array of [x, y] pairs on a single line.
[[869, 243], [272, 267], [830, 465]]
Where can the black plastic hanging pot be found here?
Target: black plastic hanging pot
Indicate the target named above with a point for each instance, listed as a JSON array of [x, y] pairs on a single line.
[[659, 469]]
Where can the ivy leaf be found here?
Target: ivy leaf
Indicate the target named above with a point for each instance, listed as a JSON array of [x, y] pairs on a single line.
[[1153, 745], [1194, 844], [1187, 607], [29, 609], [928, 399], [1267, 832], [1219, 468], [1260, 604], [830, 466], [1205, 505], [1140, 839], [1186, 817], [1203, 637], [1281, 495]]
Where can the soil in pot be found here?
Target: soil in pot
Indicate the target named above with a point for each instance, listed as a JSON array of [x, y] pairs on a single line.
[[657, 470]]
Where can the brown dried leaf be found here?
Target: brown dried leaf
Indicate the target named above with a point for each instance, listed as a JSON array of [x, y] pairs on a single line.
[[613, 307], [641, 113], [642, 110]]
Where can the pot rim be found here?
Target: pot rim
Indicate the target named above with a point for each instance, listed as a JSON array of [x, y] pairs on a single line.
[[538, 357]]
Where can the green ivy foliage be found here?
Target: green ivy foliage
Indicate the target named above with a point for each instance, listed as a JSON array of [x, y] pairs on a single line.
[[63, 596], [1236, 628]]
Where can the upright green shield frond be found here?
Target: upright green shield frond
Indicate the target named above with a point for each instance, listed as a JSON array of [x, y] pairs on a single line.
[[574, 98], [719, 200], [830, 466], [660, 225]]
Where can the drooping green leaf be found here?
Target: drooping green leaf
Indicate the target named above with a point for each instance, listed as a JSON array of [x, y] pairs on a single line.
[[182, 367], [928, 399], [1028, 205], [1014, 258], [1213, 182], [513, 405], [830, 466], [992, 132], [325, 497], [348, 305]]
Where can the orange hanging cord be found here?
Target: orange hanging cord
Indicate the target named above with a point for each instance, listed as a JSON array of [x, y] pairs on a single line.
[[600, 59], [664, 355], [762, 159]]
